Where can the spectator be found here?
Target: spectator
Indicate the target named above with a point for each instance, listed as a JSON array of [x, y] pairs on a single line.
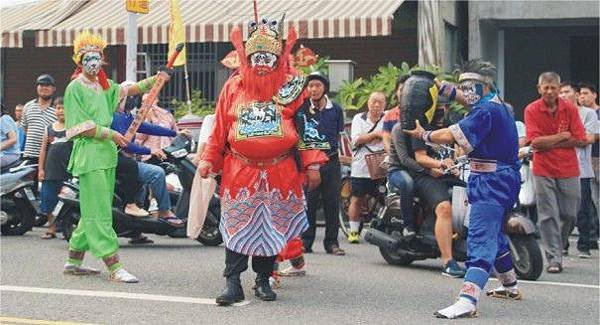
[[554, 129], [588, 97], [570, 93], [432, 187], [54, 159], [161, 117], [38, 114], [149, 174], [9, 152], [393, 115], [327, 118], [400, 163], [367, 137], [208, 122], [20, 129]]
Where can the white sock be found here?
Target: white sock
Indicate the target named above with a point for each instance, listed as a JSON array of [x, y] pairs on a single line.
[[508, 279], [354, 225]]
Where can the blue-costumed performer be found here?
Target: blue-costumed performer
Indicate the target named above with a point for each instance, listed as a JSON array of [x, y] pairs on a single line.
[[489, 137]]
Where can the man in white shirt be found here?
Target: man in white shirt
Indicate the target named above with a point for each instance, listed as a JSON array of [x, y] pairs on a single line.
[[367, 137]]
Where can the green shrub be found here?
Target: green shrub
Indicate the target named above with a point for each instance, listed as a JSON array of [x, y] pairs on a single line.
[[199, 106]]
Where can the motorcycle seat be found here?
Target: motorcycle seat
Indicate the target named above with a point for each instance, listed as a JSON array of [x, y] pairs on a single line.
[[6, 168]]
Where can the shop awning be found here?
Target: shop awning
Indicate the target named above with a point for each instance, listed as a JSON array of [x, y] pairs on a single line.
[[212, 21], [34, 16]]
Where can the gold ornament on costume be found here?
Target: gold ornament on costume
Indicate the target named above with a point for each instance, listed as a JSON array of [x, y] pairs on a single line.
[[265, 37], [87, 42]]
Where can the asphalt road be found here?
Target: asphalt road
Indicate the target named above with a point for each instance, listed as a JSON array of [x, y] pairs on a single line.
[[180, 278]]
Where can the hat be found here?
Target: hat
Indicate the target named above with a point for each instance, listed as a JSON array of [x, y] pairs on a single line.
[[317, 75], [45, 79], [265, 37], [87, 42]]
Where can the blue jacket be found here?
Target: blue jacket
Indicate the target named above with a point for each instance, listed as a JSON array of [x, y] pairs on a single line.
[[122, 121]]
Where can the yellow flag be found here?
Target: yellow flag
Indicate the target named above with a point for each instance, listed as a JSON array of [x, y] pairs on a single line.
[[176, 33]]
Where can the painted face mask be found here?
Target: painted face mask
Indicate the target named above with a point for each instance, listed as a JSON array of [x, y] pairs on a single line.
[[91, 62], [472, 91], [264, 62]]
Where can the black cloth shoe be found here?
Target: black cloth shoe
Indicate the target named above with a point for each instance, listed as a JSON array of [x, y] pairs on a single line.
[[263, 289], [233, 291]]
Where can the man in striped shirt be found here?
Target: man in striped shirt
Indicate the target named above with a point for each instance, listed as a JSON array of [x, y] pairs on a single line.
[[38, 114]]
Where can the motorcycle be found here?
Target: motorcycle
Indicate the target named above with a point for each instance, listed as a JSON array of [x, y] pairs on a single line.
[[129, 226], [386, 232], [16, 192]]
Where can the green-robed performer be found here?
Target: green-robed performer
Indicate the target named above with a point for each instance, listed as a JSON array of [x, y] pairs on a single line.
[[90, 101]]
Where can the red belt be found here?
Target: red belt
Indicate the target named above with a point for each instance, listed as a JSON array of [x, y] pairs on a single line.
[[260, 163]]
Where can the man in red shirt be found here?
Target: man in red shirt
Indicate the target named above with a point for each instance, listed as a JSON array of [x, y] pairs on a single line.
[[554, 129]]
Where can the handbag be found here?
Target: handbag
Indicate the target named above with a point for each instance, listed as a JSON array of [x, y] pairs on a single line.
[[376, 164]]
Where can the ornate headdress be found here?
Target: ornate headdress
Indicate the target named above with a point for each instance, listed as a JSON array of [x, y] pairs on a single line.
[[87, 42], [265, 37]]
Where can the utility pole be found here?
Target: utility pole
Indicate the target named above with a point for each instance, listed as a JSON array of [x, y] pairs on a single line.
[[132, 41]]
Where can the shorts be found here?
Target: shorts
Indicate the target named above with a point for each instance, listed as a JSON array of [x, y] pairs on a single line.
[[362, 186], [49, 195], [434, 191]]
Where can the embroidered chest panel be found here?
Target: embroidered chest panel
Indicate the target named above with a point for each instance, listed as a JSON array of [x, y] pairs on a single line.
[[258, 119]]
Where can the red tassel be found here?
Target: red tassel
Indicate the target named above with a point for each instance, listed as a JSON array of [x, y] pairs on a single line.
[[103, 79], [76, 73]]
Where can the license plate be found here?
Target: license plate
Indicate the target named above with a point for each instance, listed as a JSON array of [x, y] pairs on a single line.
[[57, 208], [29, 194]]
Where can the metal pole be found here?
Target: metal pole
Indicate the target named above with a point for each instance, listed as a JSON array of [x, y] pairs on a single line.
[[187, 88], [132, 41]]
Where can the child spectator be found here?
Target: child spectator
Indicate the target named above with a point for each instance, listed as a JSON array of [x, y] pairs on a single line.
[[54, 158]]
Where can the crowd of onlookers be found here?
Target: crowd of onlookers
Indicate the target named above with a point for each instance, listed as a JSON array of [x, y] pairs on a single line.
[[561, 127]]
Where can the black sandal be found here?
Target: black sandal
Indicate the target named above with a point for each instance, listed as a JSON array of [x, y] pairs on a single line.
[[335, 250]]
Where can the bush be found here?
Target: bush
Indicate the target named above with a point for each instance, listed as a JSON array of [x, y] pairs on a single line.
[[199, 106], [353, 95]]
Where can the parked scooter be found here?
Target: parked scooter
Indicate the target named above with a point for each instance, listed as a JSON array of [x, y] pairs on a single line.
[[130, 226], [386, 232], [16, 192]]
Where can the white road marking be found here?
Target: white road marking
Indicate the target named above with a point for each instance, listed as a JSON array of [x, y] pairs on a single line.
[[18, 320], [115, 294], [560, 284]]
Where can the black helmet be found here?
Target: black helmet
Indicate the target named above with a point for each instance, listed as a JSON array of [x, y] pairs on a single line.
[[317, 75], [45, 79]]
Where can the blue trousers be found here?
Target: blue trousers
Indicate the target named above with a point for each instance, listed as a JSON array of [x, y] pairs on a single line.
[[155, 177], [403, 182], [491, 195]]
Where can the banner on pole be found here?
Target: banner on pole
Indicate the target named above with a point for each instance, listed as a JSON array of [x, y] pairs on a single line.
[[138, 6], [176, 32]]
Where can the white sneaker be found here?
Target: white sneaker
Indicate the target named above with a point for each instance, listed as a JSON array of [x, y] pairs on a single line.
[[460, 309], [121, 275], [292, 271]]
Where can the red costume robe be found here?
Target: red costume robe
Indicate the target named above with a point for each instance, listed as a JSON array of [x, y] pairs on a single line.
[[253, 143]]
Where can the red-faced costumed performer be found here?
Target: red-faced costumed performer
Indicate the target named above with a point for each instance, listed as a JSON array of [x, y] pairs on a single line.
[[255, 143]]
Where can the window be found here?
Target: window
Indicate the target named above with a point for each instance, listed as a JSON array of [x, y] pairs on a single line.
[[450, 47]]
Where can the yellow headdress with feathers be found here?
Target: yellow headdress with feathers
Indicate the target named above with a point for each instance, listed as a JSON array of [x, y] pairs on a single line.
[[87, 42]]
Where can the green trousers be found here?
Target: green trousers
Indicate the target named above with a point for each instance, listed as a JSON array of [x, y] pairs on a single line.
[[94, 231]]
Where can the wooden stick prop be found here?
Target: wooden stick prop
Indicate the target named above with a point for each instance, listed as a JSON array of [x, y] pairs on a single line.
[[147, 104]]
